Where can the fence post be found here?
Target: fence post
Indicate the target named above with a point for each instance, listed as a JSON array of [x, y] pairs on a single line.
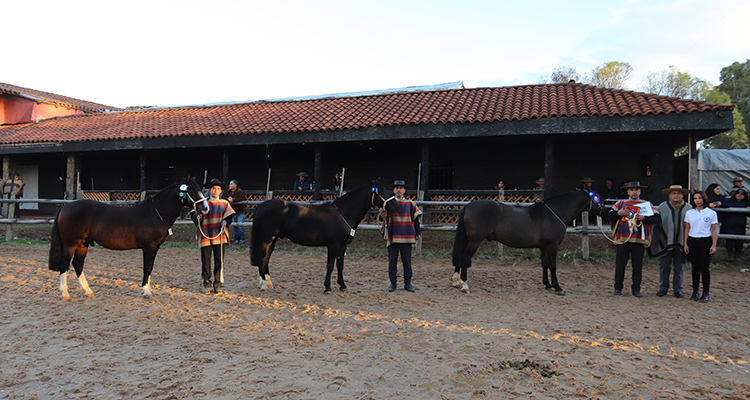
[[501, 199], [420, 197], [585, 235]]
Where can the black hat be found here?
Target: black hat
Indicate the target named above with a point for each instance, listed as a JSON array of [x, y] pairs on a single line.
[[303, 173], [215, 182], [399, 183], [633, 185]]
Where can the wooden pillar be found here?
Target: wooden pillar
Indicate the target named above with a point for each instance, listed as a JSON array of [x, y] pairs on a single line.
[[316, 175], [6, 176], [424, 180], [142, 184], [225, 167], [501, 199], [585, 235], [71, 178], [548, 166], [425, 176], [693, 183]]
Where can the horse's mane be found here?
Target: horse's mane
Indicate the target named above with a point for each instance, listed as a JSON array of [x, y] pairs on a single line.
[[151, 198], [354, 192]]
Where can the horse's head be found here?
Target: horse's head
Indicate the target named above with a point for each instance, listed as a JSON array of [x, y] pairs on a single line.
[[378, 197], [595, 202], [191, 195]]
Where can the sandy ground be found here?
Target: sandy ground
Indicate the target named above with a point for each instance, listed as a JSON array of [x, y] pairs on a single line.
[[295, 342]]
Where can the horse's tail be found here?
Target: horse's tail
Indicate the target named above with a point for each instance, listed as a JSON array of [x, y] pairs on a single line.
[[461, 241], [255, 240], [55, 248]]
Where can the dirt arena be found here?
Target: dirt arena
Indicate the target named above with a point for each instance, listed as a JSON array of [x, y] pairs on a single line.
[[294, 342]]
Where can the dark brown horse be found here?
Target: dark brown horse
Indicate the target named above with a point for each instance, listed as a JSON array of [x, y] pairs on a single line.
[[542, 225], [144, 225], [332, 225]]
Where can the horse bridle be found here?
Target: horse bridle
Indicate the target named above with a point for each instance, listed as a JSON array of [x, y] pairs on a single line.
[[184, 193], [375, 190], [595, 199]]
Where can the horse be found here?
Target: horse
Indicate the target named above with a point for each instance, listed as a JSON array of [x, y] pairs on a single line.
[[332, 225], [144, 225], [542, 225]]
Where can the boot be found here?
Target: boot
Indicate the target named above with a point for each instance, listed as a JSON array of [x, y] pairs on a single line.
[[731, 256], [695, 295], [704, 296]]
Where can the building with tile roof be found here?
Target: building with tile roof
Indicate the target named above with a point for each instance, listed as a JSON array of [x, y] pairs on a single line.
[[444, 139]]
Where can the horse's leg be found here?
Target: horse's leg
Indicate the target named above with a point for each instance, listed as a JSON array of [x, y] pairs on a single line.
[[340, 268], [333, 251], [549, 261], [545, 266], [462, 280], [64, 285], [265, 257], [78, 259], [149, 255]]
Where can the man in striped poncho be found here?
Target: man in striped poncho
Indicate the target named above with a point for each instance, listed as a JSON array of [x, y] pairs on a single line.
[[402, 233]]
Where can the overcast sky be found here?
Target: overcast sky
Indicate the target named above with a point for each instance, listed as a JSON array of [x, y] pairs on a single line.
[[165, 53]]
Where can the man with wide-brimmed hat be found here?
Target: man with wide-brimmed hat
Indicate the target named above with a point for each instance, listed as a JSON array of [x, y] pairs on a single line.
[[586, 184], [213, 235], [668, 240], [402, 232], [301, 183], [632, 219]]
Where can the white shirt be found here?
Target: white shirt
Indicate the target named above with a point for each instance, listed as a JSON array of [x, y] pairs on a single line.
[[700, 222]]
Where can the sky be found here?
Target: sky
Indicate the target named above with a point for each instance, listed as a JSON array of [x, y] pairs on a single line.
[[168, 53]]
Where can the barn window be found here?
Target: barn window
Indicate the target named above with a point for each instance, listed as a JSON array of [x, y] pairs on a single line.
[[441, 176]]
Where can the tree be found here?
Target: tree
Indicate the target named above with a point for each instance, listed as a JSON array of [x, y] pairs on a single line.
[[561, 75], [675, 83], [614, 74], [734, 139], [735, 81]]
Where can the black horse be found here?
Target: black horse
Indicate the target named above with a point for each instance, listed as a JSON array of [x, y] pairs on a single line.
[[541, 225], [332, 225], [144, 225]]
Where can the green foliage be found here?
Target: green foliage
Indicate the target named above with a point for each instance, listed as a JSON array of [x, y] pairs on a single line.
[[736, 138], [675, 83], [614, 74], [735, 81]]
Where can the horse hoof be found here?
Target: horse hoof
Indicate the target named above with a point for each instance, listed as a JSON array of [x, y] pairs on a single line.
[[65, 297], [327, 291], [89, 294], [559, 292], [465, 290]]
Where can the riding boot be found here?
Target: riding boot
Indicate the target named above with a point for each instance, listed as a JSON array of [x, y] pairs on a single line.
[[704, 296], [695, 295]]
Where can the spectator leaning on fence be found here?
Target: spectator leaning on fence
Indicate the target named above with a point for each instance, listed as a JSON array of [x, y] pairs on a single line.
[[234, 194], [734, 223], [18, 184]]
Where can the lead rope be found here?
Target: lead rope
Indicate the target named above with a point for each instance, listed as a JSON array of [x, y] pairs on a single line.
[[384, 222]]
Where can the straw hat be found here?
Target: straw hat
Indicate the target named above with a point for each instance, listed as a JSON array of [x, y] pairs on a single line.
[[673, 188]]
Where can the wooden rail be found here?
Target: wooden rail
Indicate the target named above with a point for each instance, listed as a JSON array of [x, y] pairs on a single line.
[[585, 230]]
